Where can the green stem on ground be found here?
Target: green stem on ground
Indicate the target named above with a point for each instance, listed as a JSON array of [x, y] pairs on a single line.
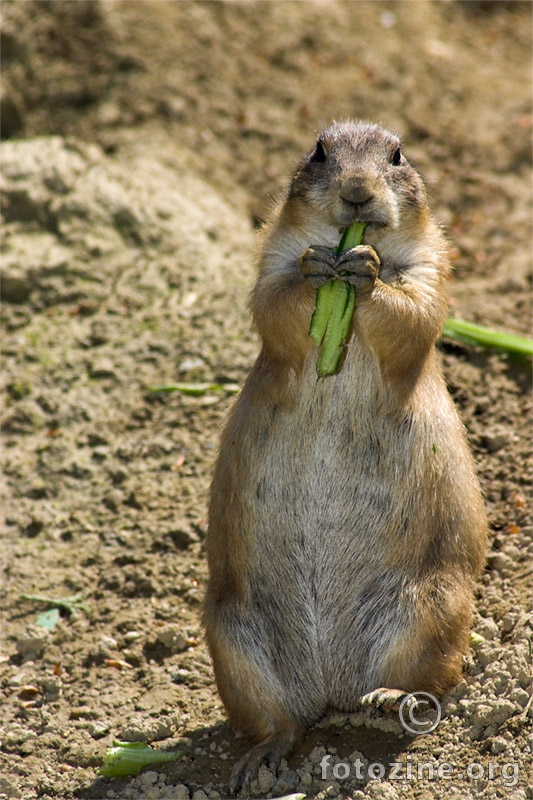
[[471, 333], [72, 605]]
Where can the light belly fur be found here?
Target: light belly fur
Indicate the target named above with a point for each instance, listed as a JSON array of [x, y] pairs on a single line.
[[326, 525]]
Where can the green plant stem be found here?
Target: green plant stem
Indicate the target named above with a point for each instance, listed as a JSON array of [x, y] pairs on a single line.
[[195, 389], [471, 333], [335, 303], [128, 758], [72, 605]]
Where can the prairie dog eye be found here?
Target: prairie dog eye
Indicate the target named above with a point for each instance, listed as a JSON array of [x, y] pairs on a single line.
[[396, 159], [319, 156]]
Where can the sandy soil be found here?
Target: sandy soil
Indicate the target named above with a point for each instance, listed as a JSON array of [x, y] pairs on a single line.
[[143, 142]]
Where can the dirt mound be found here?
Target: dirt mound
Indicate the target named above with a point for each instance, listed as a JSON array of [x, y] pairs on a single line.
[[142, 144]]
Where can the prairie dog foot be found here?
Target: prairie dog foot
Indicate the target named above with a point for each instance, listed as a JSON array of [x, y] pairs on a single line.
[[270, 752], [387, 699]]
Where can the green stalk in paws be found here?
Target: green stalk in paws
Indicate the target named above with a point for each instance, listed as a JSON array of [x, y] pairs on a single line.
[[335, 303]]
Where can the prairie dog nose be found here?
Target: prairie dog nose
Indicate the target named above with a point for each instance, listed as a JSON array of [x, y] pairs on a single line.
[[357, 193]]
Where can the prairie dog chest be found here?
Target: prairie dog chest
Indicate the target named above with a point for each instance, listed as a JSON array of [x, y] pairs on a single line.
[[337, 442]]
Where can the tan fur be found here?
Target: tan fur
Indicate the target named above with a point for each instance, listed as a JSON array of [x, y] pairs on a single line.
[[346, 526]]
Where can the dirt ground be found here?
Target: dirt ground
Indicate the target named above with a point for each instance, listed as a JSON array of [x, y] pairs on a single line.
[[143, 142]]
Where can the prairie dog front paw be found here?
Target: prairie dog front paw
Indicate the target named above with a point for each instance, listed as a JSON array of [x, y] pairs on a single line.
[[359, 266], [317, 265]]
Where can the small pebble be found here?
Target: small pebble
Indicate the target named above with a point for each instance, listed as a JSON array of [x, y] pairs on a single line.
[[108, 643], [173, 638], [131, 636], [306, 779], [99, 729], [287, 782], [180, 675], [317, 754], [487, 628], [496, 440], [265, 780], [498, 745], [149, 777], [33, 642]]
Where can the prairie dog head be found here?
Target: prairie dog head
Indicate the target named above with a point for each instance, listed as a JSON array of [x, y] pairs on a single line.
[[357, 172]]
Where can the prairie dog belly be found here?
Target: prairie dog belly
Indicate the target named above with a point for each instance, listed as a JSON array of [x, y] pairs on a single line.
[[339, 461], [344, 526]]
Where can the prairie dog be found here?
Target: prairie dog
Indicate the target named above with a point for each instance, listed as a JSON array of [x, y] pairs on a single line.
[[346, 524]]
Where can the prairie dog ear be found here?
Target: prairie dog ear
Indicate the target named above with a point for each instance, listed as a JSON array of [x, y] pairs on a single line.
[[319, 155]]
